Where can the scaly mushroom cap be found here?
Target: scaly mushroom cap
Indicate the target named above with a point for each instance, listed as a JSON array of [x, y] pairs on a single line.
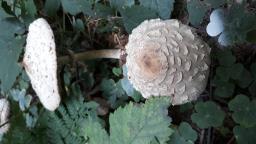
[[165, 58], [4, 115], [40, 63]]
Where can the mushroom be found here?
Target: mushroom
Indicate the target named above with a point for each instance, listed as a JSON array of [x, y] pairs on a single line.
[[4, 115], [40, 63], [166, 58]]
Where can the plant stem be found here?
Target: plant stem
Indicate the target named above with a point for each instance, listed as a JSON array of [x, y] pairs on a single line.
[[88, 55]]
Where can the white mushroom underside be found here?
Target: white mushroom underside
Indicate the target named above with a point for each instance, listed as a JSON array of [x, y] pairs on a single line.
[[182, 67], [4, 115], [40, 63]]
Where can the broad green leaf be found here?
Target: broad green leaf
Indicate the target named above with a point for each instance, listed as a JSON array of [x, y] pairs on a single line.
[[196, 10], [10, 49], [30, 8], [78, 25], [3, 14], [135, 124], [224, 89], [215, 3], [184, 135], [133, 16], [51, 7], [236, 71], [208, 114], [162, 7], [226, 58], [95, 133], [119, 4], [245, 79], [244, 110], [245, 135], [77, 6], [102, 11]]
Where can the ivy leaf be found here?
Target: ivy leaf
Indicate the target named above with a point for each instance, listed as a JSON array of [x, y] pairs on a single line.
[[244, 110], [119, 4], [162, 7], [184, 135], [141, 124], [196, 10], [133, 16], [208, 114], [94, 132], [245, 135]]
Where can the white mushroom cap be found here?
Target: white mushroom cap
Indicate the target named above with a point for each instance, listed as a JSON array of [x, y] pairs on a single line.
[[165, 58], [4, 115], [40, 63]]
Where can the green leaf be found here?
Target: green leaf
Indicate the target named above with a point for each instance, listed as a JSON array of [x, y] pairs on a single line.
[[10, 49], [252, 88], [51, 7], [215, 3], [133, 16], [245, 135], [113, 92], [78, 24], [253, 70], [196, 10], [245, 79], [183, 135], [141, 124], [30, 8], [119, 4], [251, 36], [236, 71], [208, 114], [95, 133], [226, 58], [162, 7], [244, 110], [77, 6], [117, 71], [224, 90]]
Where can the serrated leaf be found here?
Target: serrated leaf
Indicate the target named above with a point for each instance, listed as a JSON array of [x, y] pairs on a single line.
[[119, 4], [162, 7], [196, 10], [51, 7], [94, 132], [133, 16], [141, 124], [244, 110], [208, 114], [245, 135]]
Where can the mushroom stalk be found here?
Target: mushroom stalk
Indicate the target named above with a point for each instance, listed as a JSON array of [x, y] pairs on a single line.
[[88, 55]]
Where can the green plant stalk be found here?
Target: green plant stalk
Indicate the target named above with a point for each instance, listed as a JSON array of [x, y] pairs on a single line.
[[93, 54]]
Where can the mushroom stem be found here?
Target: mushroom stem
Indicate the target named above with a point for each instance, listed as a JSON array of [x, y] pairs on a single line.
[[93, 54]]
